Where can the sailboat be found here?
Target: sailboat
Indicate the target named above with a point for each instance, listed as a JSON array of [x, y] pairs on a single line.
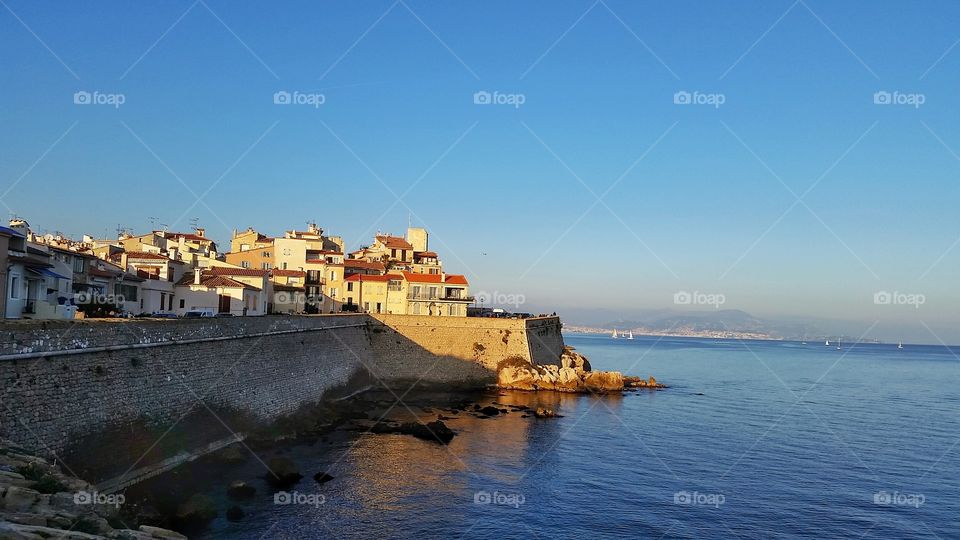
[[630, 334], [900, 345], [838, 343], [615, 335], [827, 343]]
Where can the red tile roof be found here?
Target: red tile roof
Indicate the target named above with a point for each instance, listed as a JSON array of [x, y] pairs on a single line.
[[422, 278], [227, 271], [288, 273], [210, 280], [456, 279], [141, 255], [369, 277], [394, 242], [420, 254], [367, 265]]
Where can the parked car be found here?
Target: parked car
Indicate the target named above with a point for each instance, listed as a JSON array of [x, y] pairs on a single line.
[[197, 313]]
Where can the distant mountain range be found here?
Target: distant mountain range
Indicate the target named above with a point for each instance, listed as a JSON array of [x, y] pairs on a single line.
[[708, 323]]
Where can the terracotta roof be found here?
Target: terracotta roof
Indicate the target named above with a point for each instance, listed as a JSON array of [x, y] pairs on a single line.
[[210, 280], [360, 263], [186, 236], [394, 242], [452, 279], [420, 254], [362, 277], [422, 278], [456, 279], [141, 255], [288, 273], [227, 271]]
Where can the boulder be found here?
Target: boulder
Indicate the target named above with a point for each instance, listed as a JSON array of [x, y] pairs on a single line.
[[283, 472], [231, 454], [322, 477], [432, 431], [490, 410], [568, 380], [157, 532], [572, 359], [240, 490], [544, 413], [196, 512], [517, 373], [603, 381]]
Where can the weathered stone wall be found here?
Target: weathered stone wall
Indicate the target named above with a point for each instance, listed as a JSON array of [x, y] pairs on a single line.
[[448, 349], [61, 379]]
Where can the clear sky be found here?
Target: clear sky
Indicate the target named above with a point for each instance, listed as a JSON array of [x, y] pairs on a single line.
[[796, 195]]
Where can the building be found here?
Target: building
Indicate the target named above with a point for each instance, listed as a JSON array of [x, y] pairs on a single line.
[[436, 294], [205, 291], [159, 274], [405, 254]]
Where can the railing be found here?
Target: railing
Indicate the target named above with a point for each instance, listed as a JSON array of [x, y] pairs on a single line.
[[440, 297]]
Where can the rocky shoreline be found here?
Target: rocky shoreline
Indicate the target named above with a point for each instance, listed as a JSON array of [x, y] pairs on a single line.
[[38, 500], [574, 374]]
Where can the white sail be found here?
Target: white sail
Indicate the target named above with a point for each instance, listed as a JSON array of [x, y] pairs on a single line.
[[614, 336]]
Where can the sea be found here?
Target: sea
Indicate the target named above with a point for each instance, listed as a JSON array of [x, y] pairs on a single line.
[[752, 439]]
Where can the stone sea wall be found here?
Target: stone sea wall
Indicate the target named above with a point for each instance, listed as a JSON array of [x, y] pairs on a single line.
[[61, 380]]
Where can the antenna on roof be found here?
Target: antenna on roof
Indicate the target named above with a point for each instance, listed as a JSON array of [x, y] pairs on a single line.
[[194, 222], [153, 223]]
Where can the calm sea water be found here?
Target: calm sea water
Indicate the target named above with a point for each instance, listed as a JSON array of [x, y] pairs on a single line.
[[752, 440]]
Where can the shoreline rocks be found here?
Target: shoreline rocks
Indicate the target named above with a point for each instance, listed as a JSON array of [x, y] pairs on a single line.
[[574, 375]]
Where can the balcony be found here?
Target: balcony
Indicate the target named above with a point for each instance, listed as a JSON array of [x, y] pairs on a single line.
[[440, 298]]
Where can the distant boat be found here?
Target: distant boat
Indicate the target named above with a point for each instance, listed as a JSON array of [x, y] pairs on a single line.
[[827, 343], [630, 334], [615, 335], [900, 345], [838, 343]]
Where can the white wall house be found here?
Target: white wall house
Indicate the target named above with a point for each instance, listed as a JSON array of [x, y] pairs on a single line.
[[220, 294]]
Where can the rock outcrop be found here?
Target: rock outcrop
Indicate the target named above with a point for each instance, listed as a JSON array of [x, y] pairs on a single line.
[[37, 501], [573, 374]]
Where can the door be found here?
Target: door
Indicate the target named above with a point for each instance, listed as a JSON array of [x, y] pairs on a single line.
[[224, 303]]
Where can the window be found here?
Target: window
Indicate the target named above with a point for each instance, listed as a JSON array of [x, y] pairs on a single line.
[[128, 292], [366, 306], [15, 287], [433, 293], [333, 292], [245, 264], [333, 275], [79, 265], [170, 305], [182, 302], [285, 264], [350, 287], [416, 308], [163, 300]]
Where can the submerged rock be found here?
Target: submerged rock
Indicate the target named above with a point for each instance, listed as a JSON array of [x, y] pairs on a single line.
[[542, 412], [490, 410], [196, 512], [239, 489], [322, 477], [432, 431], [283, 472]]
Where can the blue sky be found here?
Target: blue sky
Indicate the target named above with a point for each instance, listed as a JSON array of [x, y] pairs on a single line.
[[708, 202]]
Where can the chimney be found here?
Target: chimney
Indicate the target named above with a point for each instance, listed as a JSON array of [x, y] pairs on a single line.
[[201, 231], [123, 260], [196, 276]]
